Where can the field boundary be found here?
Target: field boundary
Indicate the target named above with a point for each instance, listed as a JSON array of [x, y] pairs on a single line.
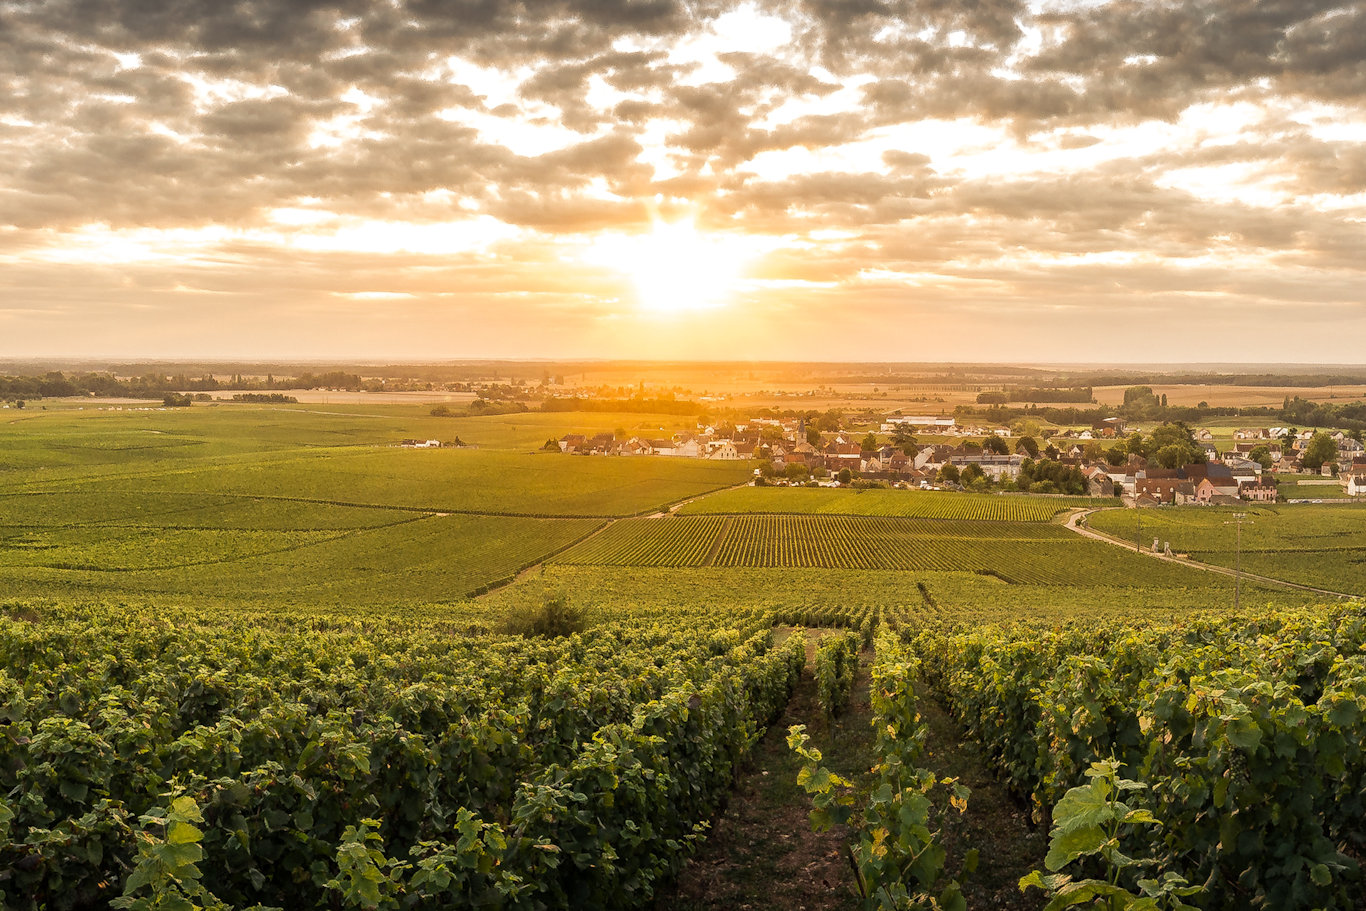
[[1075, 523], [608, 522]]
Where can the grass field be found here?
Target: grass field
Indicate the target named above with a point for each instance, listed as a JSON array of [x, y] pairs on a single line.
[[1310, 487], [925, 504], [1322, 545]]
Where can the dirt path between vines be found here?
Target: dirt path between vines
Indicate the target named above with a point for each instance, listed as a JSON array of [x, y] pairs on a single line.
[[997, 823], [761, 854]]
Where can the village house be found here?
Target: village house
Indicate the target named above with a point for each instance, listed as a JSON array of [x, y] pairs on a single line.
[[919, 423], [1098, 482], [1354, 484], [1260, 491], [993, 465], [1210, 489], [933, 457], [1164, 490], [1108, 429], [723, 450]]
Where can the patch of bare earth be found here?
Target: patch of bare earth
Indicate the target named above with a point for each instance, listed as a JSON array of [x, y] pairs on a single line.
[[761, 852], [996, 823]]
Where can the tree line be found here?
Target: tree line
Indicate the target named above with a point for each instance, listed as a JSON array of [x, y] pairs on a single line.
[[57, 384]]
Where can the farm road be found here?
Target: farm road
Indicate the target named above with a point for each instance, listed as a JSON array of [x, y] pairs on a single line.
[[1076, 520]]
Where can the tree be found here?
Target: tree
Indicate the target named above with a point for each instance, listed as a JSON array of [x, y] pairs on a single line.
[[830, 421], [973, 476], [1321, 449], [1170, 433], [870, 442], [1116, 455], [994, 443], [1172, 456], [1138, 395], [845, 476], [1262, 456], [1029, 445], [949, 473]]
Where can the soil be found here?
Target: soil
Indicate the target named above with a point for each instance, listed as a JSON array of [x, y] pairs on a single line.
[[997, 823], [762, 854]]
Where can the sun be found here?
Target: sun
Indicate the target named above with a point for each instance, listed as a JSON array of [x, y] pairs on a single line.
[[675, 268]]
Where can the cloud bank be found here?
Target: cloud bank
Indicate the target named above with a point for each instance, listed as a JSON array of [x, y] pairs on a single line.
[[1142, 180]]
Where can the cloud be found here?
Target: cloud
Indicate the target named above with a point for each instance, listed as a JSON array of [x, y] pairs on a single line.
[[1051, 153]]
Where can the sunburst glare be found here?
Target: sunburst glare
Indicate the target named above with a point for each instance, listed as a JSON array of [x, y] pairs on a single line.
[[676, 268]]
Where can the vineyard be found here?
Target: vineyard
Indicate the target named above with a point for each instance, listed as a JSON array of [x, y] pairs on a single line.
[[272, 507], [1244, 732], [1122, 593], [1323, 545], [467, 761], [1031, 553], [250, 672], [906, 504], [427, 761]]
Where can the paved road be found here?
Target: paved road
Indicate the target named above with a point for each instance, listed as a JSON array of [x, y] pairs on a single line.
[[1076, 523]]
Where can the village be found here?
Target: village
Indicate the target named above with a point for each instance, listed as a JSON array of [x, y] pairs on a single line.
[[1174, 466]]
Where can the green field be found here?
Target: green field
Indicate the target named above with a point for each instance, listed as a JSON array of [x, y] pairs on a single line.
[[1026, 552], [1323, 545], [276, 626], [1310, 487], [966, 597], [923, 504], [265, 506]]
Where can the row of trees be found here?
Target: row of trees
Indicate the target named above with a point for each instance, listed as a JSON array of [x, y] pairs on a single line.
[[56, 384], [1141, 403]]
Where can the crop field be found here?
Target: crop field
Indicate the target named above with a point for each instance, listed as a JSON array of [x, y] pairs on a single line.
[[920, 596], [1037, 553], [241, 664], [917, 504], [411, 559], [289, 507], [1323, 545], [450, 480]]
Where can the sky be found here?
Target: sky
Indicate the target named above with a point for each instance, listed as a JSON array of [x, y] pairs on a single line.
[[1013, 180]]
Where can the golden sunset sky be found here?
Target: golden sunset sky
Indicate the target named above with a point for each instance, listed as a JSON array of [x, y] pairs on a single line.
[[829, 179]]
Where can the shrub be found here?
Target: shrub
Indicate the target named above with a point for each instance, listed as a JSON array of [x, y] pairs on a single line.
[[554, 618]]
